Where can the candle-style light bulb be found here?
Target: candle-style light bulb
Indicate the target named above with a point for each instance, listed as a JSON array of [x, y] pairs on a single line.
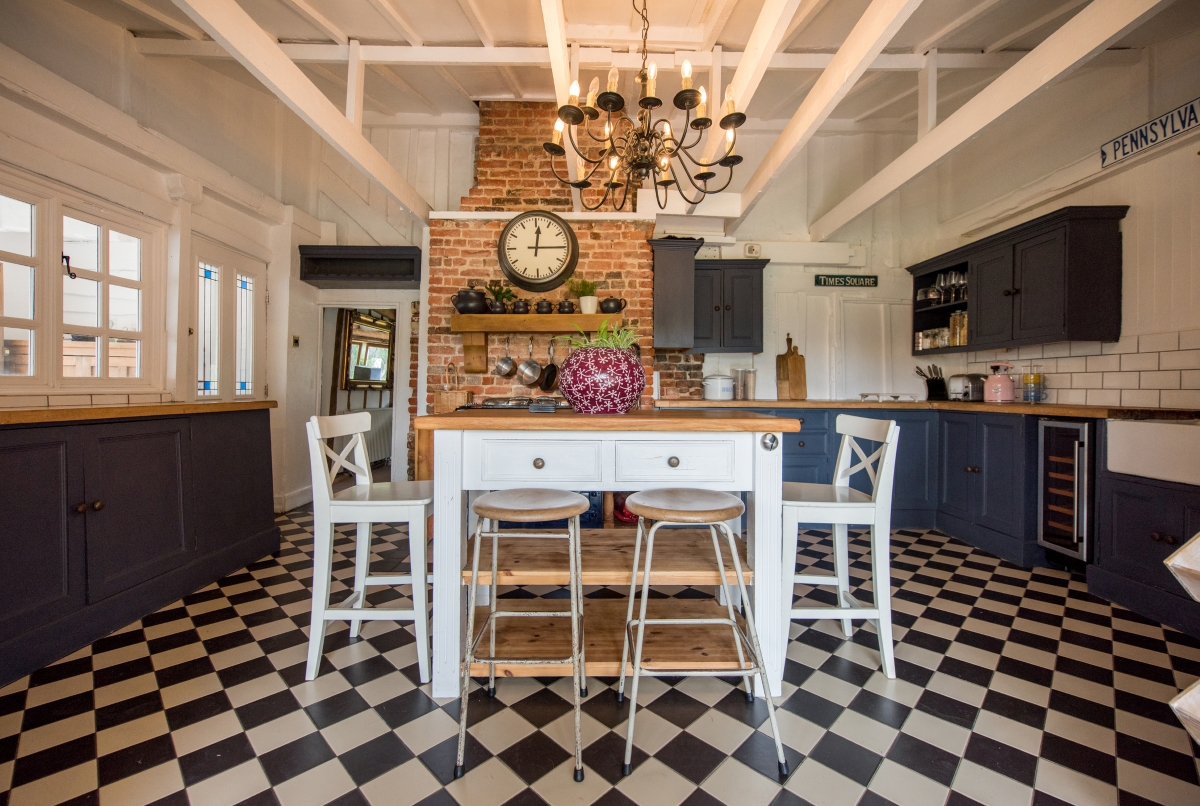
[[593, 91], [607, 129], [614, 78], [580, 168], [686, 72], [612, 162], [652, 80], [729, 140], [573, 100], [664, 168], [556, 137], [666, 130], [730, 107], [703, 107]]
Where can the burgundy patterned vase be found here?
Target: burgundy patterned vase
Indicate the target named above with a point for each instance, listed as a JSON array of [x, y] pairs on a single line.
[[602, 380]]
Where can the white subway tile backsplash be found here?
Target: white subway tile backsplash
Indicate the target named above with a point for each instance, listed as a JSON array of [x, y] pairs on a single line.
[[1072, 397], [1190, 379], [1087, 380], [1077, 364], [148, 398], [23, 401], [1104, 397], [1121, 380], [1127, 344], [1139, 362], [1181, 399], [1103, 363], [1140, 398], [110, 400], [1058, 381], [1029, 351], [1163, 379], [1189, 340], [1047, 365], [1158, 342], [1056, 350], [70, 400], [1086, 348], [1182, 359]]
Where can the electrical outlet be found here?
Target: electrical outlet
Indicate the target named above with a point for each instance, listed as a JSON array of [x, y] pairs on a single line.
[[752, 250], [295, 341]]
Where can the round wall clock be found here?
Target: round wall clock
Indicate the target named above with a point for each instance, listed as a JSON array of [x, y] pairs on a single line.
[[538, 250]]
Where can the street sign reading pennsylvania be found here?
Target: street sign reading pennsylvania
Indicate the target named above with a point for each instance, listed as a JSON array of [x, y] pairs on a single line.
[[1156, 131], [847, 280]]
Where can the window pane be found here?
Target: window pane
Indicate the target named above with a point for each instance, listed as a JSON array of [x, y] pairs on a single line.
[[124, 358], [208, 324], [81, 243], [244, 365], [16, 226], [124, 308], [16, 290], [81, 299], [124, 256], [79, 356], [16, 347]]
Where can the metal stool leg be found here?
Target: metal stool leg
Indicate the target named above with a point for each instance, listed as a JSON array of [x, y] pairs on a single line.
[[752, 634], [494, 591], [637, 549], [737, 642], [468, 651], [627, 768], [583, 689], [576, 636]]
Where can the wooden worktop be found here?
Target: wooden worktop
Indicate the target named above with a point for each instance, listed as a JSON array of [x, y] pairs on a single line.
[[641, 420], [65, 414], [1044, 409]]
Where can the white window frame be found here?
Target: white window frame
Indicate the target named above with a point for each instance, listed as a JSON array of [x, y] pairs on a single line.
[[51, 202], [230, 263]]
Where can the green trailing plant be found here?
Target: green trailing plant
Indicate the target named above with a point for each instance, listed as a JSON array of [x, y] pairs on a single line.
[[580, 287], [499, 292], [622, 337]]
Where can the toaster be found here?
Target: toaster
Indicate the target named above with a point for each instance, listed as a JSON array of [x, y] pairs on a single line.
[[966, 387]]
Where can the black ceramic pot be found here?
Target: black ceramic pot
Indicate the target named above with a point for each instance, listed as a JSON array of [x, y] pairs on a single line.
[[469, 300], [566, 306], [545, 306], [495, 306], [613, 305], [520, 306]]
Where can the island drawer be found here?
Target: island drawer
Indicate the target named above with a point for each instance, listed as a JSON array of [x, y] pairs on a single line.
[[541, 460], [649, 460]]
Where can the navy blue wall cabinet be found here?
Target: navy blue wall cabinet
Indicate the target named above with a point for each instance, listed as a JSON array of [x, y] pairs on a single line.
[[182, 501]]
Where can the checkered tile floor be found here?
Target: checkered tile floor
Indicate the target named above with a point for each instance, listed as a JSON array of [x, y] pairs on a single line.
[[1014, 687]]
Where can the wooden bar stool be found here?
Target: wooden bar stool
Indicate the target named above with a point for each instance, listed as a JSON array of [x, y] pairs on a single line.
[[524, 506], [840, 505], [685, 507], [365, 503]]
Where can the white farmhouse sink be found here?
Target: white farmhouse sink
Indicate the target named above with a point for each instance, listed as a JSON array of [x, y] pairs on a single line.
[[1157, 449]]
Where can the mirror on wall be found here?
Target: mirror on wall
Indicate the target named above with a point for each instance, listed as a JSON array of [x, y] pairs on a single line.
[[367, 348]]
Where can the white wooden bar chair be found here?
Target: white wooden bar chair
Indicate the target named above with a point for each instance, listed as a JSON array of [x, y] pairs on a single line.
[[365, 503], [841, 505]]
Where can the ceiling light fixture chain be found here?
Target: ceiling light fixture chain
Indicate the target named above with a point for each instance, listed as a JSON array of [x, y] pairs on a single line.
[[645, 149]]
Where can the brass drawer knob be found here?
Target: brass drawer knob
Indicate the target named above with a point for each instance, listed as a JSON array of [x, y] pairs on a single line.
[[539, 463], [673, 461], [98, 505]]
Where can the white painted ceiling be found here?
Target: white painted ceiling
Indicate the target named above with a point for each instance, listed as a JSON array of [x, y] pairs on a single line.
[[880, 98]]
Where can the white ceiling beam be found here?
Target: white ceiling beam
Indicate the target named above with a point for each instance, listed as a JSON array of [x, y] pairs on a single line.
[[970, 89], [343, 85], [891, 100], [510, 80], [658, 37], [178, 26], [948, 30], [807, 12], [227, 23], [1040, 22], [556, 42], [1079, 39], [927, 94], [318, 20], [398, 20], [356, 73], [389, 75], [721, 10], [870, 34], [471, 11]]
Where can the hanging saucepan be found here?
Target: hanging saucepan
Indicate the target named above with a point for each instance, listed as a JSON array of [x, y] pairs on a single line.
[[505, 366], [529, 372], [550, 373]]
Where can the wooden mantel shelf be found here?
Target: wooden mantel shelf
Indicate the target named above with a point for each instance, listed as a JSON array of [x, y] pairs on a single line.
[[531, 322], [475, 328]]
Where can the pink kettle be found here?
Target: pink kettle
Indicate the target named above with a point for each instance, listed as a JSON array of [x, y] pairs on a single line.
[[998, 388]]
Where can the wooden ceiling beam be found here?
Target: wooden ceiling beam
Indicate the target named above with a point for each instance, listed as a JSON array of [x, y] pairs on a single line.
[[317, 20], [178, 26], [471, 11], [398, 20], [389, 75], [1079, 39], [721, 10], [870, 34], [556, 42], [1040, 22], [948, 30], [257, 51], [807, 12]]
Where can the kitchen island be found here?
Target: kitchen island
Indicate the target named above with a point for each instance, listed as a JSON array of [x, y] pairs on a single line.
[[475, 451]]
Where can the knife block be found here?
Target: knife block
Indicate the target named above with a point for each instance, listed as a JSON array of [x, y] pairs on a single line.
[[935, 389]]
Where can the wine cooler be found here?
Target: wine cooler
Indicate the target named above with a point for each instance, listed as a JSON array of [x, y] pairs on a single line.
[[1064, 487]]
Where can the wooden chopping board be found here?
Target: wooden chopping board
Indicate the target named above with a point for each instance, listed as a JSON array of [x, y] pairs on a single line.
[[791, 380]]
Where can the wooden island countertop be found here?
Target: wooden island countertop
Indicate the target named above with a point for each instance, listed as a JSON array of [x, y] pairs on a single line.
[[639, 420], [128, 411]]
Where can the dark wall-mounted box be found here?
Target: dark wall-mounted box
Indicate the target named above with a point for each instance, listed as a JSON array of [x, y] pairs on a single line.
[[361, 266]]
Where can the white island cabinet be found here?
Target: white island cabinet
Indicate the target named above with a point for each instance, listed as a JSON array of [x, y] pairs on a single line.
[[487, 449]]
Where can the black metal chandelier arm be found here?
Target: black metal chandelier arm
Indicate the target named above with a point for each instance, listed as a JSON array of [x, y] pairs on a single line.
[[679, 187], [662, 205], [598, 204], [565, 180], [703, 164], [579, 151]]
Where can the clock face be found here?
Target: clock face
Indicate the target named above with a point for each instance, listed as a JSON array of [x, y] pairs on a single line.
[[538, 251]]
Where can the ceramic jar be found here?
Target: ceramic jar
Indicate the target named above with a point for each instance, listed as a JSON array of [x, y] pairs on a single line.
[[566, 306], [520, 306], [613, 305], [602, 380], [469, 300], [545, 306], [588, 305], [496, 306]]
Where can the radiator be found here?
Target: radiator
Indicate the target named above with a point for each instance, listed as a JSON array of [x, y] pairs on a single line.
[[379, 438]]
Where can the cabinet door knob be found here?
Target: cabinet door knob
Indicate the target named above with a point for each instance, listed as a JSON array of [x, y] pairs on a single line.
[[539, 463], [800, 443], [673, 461], [716, 307], [728, 307], [1169, 540], [1011, 292], [98, 505], [1159, 537], [81, 508]]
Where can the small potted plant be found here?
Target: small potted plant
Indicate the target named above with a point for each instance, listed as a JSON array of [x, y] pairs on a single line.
[[603, 375], [586, 291], [500, 296]]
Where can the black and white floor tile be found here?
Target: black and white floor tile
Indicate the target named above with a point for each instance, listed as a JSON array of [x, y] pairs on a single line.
[[1014, 687]]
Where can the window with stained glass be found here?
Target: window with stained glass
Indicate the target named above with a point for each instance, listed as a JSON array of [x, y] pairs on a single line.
[[208, 331]]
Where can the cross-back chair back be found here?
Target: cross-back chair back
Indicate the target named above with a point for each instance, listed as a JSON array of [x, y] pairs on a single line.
[[326, 462], [852, 459]]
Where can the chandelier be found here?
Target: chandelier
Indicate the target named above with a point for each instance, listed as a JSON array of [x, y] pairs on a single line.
[[627, 153]]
